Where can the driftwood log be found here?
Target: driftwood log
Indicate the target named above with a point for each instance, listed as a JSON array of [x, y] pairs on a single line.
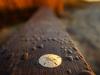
[[42, 34]]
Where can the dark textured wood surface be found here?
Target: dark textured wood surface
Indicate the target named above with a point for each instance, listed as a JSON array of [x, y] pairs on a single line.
[[42, 34]]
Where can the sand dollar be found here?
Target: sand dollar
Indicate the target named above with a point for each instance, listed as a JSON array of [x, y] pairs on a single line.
[[50, 60]]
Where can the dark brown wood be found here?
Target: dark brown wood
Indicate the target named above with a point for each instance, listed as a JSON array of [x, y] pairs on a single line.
[[42, 34]]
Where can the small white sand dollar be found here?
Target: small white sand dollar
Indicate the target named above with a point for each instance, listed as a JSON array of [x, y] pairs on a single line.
[[50, 60]]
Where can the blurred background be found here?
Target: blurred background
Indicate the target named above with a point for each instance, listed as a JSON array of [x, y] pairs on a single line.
[[85, 31], [84, 28]]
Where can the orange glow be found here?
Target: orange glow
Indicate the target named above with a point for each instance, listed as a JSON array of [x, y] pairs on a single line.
[[56, 5], [27, 3], [23, 3], [13, 4], [3, 4]]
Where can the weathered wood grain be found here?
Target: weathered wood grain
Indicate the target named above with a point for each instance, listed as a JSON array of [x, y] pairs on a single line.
[[42, 34]]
